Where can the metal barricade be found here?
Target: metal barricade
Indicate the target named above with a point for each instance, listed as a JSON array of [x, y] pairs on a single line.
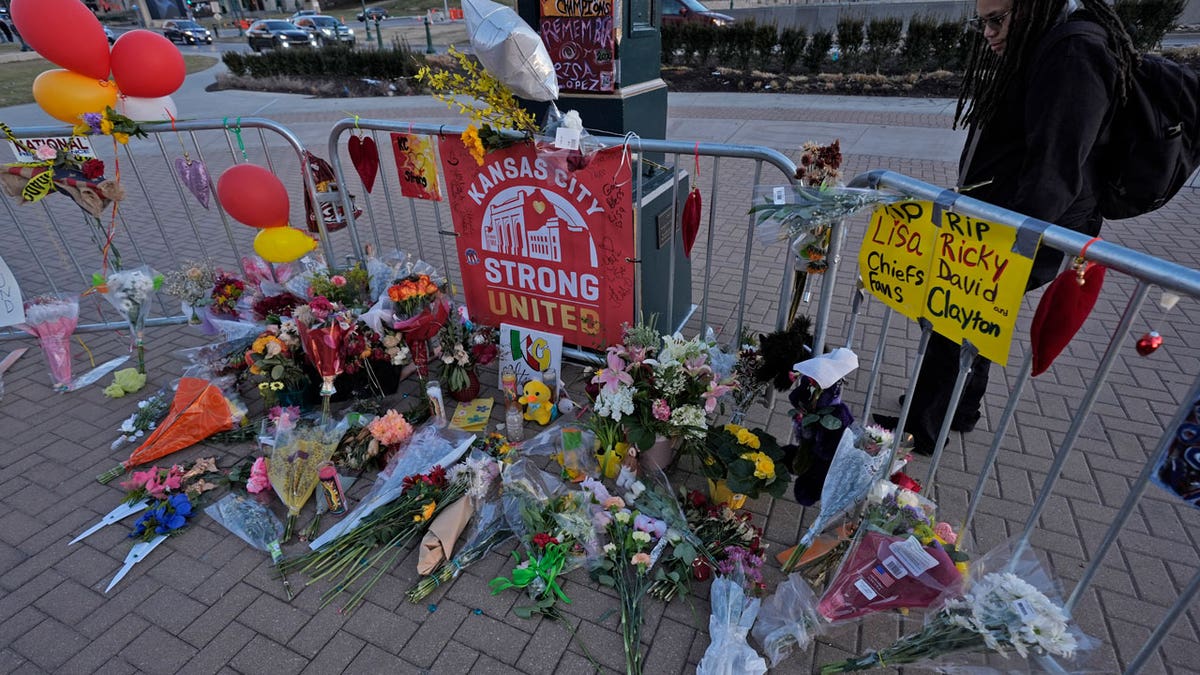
[[54, 246], [724, 244], [1144, 270]]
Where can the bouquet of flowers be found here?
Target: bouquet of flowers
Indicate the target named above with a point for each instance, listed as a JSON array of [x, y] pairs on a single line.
[[818, 418], [227, 290], [999, 612], [52, 320], [273, 356], [253, 523], [734, 610], [658, 386], [746, 462], [322, 326], [297, 455], [173, 490], [462, 347], [193, 285], [150, 411], [364, 553], [788, 620], [626, 565], [418, 313], [388, 434], [129, 291], [350, 287]]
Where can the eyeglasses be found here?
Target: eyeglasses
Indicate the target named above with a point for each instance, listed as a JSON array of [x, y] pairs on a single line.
[[995, 22]]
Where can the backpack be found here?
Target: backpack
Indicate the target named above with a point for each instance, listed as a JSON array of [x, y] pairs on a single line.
[[1154, 138]]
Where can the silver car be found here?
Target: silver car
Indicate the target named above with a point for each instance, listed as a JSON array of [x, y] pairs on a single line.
[[326, 29]]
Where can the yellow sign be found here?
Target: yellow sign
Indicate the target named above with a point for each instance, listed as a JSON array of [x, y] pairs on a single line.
[[962, 274]]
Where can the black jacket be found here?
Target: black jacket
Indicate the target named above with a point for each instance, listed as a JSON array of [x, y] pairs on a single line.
[[1042, 147]]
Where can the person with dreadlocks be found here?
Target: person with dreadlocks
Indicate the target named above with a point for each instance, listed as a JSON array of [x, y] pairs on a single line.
[[1037, 99]]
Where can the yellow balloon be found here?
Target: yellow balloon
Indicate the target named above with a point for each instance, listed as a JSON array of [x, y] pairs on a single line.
[[282, 244], [65, 94]]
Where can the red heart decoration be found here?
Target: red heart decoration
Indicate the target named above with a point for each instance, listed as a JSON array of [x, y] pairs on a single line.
[[690, 221], [1061, 313], [365, 156]]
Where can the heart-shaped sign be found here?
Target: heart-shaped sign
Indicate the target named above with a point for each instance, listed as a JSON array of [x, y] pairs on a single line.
[[540, 207], [1061, 313], [194, 175], [365, 156]]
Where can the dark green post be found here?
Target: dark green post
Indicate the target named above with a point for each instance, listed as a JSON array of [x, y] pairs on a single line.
[[428, 36], [378, 34], [366, 21]]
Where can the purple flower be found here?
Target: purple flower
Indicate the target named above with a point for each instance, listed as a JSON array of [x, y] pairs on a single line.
[[93, 120], [650, 525], [614, 375]]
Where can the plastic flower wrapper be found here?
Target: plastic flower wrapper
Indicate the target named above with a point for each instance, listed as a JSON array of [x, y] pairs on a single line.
[[687, 548], [130, 292], [198, 410], [323, 327], [802, 214], [850, 476], [253, 523], [150, 412], [1010, 605], [430, 446], [530, 499], [510, 50], [295, 459], [52, 320], [481, 473], [788, 620], [733, 613]]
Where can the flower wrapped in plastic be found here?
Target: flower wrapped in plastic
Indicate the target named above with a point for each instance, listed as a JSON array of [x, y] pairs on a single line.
[[788, 620], [295, 459], [733, 613], [323, 326], [418, 312], [1006, 608], [52, 320], [253, 523], [130, 293]]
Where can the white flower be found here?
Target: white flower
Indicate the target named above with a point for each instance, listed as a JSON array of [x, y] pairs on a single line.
[[690, 420], [610, 548], [616, 404], [623, 517], [642, 537], [127, 426]]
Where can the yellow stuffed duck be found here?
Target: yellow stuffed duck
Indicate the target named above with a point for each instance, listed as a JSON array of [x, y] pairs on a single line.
[[536, 400]]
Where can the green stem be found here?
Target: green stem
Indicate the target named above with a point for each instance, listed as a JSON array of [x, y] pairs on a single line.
[[108, 476], [794, 558]]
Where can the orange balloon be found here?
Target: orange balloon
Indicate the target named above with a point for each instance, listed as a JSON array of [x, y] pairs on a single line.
[[65, 32], [66, 95], [147, 65]]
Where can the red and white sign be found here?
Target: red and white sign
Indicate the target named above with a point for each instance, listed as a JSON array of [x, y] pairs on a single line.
[[540, 245]]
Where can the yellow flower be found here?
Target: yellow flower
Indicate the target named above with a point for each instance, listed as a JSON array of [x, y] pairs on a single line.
[[106, 126], [82, 129], [121, 138], [764, 467], [262, 386], [747, 438], [426, 512], [470, 138], [733, 429], [276, 386]]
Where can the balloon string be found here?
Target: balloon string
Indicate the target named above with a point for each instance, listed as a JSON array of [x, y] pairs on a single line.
[[696, 152], [112, 223], [186, 157]]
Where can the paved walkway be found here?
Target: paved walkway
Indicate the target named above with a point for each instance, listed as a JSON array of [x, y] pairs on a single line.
[[206, 603]]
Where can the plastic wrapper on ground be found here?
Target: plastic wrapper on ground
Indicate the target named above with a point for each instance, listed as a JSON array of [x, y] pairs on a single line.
[[732, 616], [788, 620]]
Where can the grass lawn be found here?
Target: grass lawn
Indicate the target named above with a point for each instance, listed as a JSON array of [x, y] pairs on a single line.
[[16, 78]]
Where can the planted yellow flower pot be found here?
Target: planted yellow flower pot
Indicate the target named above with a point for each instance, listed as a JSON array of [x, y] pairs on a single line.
[[720, 493]]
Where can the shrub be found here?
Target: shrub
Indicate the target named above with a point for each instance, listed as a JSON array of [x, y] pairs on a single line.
[[918, 42], [398, 62], [741, 37], [670, 35], [818, 50], [703, 39], [883, 35], [1148, 20], [951, 44], [791, 47], [849, 35], [765, 39], [235, 62]]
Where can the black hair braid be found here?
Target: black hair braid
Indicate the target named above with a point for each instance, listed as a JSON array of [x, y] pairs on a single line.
[[988, 76]]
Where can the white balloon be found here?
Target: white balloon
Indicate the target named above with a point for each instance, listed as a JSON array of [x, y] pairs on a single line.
[[160, 109], [510, 50]]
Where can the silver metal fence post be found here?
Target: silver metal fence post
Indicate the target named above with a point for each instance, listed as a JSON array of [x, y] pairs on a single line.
[[1085, 408], [833, 259], [1156, 638], [636, 177], [857, 298], [32, 249], [741, 320], [339, 173], [387, 194], [676, 220], [442, 235], [237, 253], [926, 333], [966, 355], [708, 249], [876, 361]]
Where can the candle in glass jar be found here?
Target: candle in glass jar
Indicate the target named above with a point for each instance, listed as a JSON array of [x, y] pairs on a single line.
[[437, 406]]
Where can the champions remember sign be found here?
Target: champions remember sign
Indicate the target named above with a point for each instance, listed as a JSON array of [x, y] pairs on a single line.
[[540, 245]]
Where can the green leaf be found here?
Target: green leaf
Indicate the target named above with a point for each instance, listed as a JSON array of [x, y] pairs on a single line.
[[606, 580], [523, 612], [810, 418], [277, 373], [830, 422]]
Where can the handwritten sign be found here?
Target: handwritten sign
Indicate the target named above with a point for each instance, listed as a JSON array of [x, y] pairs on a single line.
[[12, 309], [577, 8], [583, 50], [528, 352], [962, 274], [416, 164]]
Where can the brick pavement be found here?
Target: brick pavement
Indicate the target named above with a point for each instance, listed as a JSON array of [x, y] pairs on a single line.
[[206, 603]]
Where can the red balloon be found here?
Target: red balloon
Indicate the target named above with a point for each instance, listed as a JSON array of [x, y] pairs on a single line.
[[65, 32], [253, 196], [147, 65]]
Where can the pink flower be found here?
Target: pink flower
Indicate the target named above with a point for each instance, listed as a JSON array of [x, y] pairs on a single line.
[[945, 532], [284, 417], [337, 280], [640, 559], [715, 391], [321, 308], [614, 502], [602, 519], [138, 480], [45, 152], [661, 411], [614, 375], [259, 481], [697, 366], [650, 525], [596, 488]]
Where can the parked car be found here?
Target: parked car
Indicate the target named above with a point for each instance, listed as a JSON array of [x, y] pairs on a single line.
[[109, 34], [326, 29], [303, 12], [681, 11], [373, 14], [277, 34], [186, 32]]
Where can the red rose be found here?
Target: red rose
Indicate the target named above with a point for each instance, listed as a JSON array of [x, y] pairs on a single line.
[[93, 169], [485, 353], [697, 499], [905, 481], [542, 540]]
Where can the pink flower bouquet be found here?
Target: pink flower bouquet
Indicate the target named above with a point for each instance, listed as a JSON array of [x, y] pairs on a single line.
[[52, 320]]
